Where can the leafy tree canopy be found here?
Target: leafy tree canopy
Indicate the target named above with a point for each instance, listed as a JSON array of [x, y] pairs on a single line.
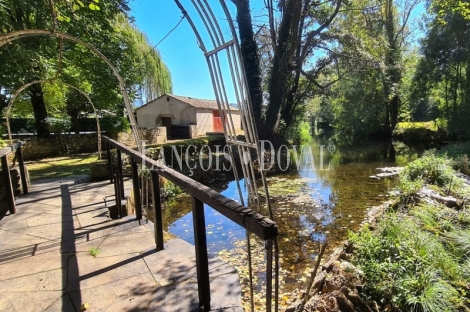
[[104, 24]]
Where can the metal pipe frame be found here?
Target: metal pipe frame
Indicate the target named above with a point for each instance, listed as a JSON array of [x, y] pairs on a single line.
[[240, 87], [9, 37], [21, 89]]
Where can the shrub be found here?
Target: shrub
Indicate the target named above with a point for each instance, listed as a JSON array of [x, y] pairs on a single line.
[[304, 133], [461, 164], [58, 125], [455, 150], [114, 123], [2, 141], [169, 190], [418, 132], [430, 169]]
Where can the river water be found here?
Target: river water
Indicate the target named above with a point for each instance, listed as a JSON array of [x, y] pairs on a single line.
[[309, 205]]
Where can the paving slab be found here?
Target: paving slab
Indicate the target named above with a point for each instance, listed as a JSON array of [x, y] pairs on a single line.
[[46, 265], [132, 294], [33, 301]]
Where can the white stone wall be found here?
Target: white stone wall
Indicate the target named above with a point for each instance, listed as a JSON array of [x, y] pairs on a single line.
[[183, 114]]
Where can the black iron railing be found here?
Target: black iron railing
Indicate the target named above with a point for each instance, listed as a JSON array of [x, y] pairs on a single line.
[[4, 154], [252, 221], [179, 132]]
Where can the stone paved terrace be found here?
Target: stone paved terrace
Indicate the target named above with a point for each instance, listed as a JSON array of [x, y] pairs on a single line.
[[45, 264]]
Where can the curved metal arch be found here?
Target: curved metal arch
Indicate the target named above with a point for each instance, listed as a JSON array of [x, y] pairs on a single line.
[[7, 38], [21, 89], [215, 45]]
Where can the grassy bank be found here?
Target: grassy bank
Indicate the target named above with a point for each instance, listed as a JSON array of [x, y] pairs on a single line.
[[417, 257], [415, 132]]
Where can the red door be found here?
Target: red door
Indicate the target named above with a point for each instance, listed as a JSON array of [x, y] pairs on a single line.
[[218, 127]]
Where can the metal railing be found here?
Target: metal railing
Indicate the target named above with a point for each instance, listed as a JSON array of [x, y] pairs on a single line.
[[252, 221], [4, 153]]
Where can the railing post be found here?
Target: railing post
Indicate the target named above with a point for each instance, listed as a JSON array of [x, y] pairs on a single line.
[[202, 261], [24, 183], [117, 191], [8, 186], [269, 274], [110, 165], [119, 168], [136, 187], [157, 211]]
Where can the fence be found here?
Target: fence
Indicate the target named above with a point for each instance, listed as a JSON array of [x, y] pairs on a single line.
[[180, 132], [252, 221], [4, 152], [27, 125]]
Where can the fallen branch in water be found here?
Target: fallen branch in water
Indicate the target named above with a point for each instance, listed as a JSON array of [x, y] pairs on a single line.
[[304, 301]]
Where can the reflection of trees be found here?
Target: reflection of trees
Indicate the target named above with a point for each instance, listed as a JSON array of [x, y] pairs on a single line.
[[347, 192]]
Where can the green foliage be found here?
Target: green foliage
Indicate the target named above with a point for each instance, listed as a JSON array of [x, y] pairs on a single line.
[[415, 132], [462, 164], [58, 125], [410, 267], [2, 141], [305, 136], [458, 152], [431, 170], [442, 76], [94, 251], [169, 190], [419, 261], [36, 57], [300, 133], [417, 125], [357, 104], [114, 123], [455, 149]]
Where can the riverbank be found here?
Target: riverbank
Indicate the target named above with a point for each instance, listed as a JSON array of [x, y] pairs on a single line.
[[411, 252]]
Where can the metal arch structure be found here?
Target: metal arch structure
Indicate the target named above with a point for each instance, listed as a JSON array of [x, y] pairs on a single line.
[[21, 89], [217, 43], [7, 38]]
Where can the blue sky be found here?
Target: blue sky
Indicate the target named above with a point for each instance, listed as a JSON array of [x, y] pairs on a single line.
[[180, 52]]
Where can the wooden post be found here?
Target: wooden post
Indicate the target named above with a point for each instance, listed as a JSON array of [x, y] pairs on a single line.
[[202, 261], [119, 168], [269, 274], [136, 187], [8, 186], [117, 191], [157, 211], [110, 165], [24, 182]]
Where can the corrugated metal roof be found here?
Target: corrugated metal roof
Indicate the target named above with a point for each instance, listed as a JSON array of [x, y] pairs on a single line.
[[212, 104]]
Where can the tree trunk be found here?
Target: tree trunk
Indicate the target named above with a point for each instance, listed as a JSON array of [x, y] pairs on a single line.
[[39, 109], [394, 105], [393, 72], [279, 83], [250, 55]]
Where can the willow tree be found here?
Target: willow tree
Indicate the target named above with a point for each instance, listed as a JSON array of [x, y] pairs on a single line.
[[147, 75]]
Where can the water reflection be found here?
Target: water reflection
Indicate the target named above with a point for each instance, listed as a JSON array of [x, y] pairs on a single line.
[[221, 232], [309, 205]]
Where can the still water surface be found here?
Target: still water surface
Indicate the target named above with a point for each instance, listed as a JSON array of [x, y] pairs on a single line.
[[309, 205]]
